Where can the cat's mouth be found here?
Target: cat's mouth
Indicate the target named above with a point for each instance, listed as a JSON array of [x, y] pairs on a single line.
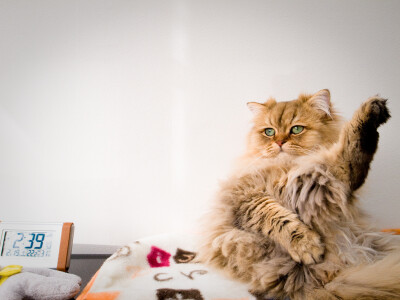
[[285, 152], [280, 150]]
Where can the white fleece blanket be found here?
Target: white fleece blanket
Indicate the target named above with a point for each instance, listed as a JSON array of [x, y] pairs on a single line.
[[160, 268]]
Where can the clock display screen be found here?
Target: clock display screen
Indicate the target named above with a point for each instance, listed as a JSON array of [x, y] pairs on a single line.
[[27, 243]]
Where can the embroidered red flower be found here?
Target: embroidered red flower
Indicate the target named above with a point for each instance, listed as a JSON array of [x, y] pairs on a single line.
[[158, 257]]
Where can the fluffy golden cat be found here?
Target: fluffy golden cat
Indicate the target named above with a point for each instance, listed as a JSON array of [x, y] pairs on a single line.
[[288, 222]]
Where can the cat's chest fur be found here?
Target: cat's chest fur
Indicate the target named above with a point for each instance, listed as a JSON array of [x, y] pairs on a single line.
[[268, 179]]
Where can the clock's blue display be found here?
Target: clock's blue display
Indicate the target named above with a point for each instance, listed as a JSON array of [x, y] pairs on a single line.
[[27, 243]]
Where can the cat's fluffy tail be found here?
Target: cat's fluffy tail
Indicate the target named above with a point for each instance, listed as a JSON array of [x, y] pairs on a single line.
[[380, 280]]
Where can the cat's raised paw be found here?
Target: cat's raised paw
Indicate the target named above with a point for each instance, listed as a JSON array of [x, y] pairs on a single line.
[[375, 111], [306, 247]]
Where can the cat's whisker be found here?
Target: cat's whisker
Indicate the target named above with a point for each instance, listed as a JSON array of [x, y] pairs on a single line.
[[301, 149], [252, 164]]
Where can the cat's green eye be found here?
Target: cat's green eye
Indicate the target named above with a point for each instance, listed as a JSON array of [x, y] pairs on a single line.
[[269, 131], [296, 129]]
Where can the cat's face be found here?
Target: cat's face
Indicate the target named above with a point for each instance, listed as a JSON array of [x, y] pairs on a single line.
[[293, 128]]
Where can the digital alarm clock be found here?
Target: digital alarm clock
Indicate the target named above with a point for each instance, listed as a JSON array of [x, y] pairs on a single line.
[[40, 245]]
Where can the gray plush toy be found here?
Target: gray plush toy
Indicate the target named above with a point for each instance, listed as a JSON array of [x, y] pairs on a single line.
[[40, 284]]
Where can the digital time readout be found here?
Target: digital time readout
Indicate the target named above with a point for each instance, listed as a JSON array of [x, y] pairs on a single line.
[[27, 243]]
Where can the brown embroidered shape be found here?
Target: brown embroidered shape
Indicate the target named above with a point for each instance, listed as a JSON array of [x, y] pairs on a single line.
[[169, 294], [157, 277], [124, 251], [183, 256], [190, 276]]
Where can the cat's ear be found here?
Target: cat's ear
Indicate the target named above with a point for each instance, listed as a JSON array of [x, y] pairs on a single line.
[[321, 101], [255, 107]]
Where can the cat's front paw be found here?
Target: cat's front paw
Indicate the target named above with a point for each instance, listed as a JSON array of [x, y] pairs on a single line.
[[374, 111], [306, 247]]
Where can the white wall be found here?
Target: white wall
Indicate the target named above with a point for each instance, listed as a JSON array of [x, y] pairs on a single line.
[[122, 116]]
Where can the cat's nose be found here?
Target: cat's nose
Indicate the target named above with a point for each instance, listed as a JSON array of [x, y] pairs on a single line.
[[280, 143]]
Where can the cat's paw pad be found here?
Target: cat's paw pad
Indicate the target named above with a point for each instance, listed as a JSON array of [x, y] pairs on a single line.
[[376, 111], [306, 247]]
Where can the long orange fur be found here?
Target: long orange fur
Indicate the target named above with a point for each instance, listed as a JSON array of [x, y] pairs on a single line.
[[287, 222]]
